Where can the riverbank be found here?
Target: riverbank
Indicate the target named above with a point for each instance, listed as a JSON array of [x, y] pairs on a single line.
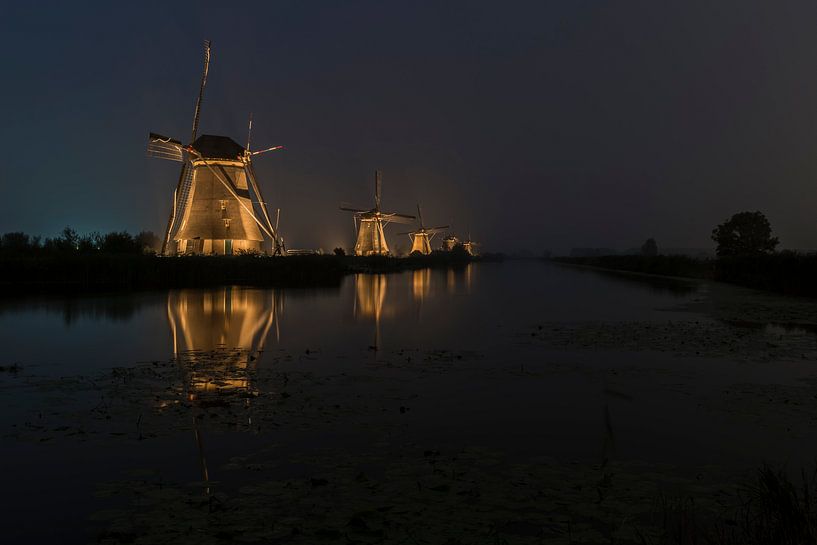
[[128, 272], [787, 273]]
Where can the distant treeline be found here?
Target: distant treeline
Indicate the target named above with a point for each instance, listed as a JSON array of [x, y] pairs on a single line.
[[71, 242], [785, 272]]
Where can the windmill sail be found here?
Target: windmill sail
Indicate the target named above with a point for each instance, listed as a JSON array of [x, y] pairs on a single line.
[[164, 147], [183, 189]]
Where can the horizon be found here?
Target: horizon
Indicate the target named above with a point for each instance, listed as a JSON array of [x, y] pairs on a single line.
[[533, 127]]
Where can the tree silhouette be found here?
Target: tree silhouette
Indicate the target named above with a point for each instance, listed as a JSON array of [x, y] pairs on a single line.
[[745, 233], [650, 247]]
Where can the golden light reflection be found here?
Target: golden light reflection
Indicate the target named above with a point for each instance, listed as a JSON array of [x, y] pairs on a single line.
[[370, 295], [460, 279], [234, 321], [420, 284], [370, 299]]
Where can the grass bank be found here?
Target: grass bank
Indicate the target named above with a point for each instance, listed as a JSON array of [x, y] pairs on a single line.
[[75, 273], [786, 272]]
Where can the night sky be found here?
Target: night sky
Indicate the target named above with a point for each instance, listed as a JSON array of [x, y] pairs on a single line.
[[538, 125]]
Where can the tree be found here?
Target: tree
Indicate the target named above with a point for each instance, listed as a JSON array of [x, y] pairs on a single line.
[[745, 233], [649, 248], [340, 252], [119, 243], [15, 243]]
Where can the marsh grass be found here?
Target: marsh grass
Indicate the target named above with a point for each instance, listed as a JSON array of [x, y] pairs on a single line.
[[772, 510]]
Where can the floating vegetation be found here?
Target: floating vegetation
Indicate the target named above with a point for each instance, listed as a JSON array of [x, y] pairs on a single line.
[[696, 338], [378, 483]]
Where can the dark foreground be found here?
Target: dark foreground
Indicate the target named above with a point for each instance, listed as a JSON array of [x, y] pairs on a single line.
[[334, 460]]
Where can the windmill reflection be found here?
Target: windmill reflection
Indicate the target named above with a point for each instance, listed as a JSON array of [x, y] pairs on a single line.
[[370, 298], [460, 278], [218, 335], [220, 332], [420, 284]]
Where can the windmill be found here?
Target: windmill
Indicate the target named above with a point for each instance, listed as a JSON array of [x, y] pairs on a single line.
[[421, 238], [470, 246], [217, 205], [449, 243], [369, 224]]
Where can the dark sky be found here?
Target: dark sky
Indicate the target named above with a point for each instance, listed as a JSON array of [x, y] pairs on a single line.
[[546, 124]]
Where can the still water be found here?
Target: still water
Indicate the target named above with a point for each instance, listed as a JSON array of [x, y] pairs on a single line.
[[477, 307], [534, 390]]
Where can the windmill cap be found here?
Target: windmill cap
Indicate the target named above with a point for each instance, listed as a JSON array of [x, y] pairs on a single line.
[[218, 147]]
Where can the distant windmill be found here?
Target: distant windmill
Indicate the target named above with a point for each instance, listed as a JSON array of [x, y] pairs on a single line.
[[470, 246], [214, 203], [421, 238], [371, 240], [450, 242]]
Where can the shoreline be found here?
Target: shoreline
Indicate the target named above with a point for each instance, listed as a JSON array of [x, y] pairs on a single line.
[[78, 274], [785, 273]]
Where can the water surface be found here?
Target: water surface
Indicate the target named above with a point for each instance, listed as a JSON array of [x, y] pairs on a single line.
[[535, 359]]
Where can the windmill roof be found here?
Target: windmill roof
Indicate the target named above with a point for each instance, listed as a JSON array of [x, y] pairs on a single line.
[[218, 147]]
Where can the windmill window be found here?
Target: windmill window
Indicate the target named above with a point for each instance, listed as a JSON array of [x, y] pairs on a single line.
[[227, 223], [223, 204]]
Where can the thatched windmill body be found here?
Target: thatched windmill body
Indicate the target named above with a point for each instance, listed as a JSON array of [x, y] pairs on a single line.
[[449, 243], [217, 206], [421, 238], [369, 224], [470, 246]]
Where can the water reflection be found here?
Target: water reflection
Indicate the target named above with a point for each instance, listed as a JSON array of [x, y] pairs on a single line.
[[370, 299], [460, 278], [420, 284], [223, 318], [110, 308], [236, 322]]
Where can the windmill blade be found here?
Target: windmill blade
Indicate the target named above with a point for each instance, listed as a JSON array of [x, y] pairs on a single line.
[[164, 147], [261, 202], [181, 198], [197, 112], [355, 210], [437, 229], [420, 215], [407, 233], [399, 218], [273, 148], [378, 181], [249, 133]]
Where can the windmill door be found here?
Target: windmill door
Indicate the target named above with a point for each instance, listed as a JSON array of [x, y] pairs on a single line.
[[228, 247]]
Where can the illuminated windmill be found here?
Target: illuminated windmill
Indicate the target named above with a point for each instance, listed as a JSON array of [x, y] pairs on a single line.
[[369, 224], [470, 246], [217, 205], [450, 242], [421, 238]]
